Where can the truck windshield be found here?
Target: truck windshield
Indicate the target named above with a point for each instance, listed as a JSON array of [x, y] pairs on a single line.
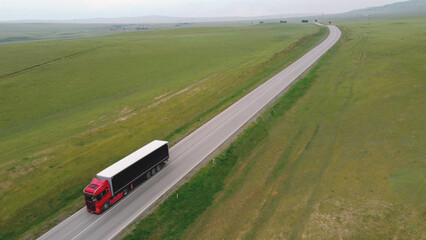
[[91, 198]]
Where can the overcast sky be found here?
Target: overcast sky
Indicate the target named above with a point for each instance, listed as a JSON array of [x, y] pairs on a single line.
[[77, 9]]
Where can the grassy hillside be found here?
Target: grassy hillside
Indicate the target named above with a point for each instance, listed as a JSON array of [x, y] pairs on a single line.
[[341, 156], [402, 9], [74, 107]]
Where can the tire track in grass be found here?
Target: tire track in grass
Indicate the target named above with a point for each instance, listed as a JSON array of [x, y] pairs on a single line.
[[270, 206], [284, 184], [297, 232], [272, 202], [279, 183]]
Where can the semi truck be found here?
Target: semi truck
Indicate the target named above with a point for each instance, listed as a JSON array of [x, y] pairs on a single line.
[[115, 182]]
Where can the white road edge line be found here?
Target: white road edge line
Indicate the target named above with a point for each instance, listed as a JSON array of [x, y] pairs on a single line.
[[177, 180], [299, 63]]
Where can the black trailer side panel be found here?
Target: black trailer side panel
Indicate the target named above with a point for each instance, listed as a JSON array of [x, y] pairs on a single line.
[[124, 178]]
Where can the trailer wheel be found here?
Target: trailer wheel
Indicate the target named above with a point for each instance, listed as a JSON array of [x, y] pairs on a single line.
[[125, 192], [148, 175], [158, 167], [106, 206], [153, 171]]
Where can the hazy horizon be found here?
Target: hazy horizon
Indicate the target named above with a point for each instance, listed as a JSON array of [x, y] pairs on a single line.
[[15, 10]]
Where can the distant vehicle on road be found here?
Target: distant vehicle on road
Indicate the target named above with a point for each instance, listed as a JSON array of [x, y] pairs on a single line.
[[115, 182], [305, 21], [283, 21]]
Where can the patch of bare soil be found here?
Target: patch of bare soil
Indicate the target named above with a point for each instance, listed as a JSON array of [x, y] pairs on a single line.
[[346, 219], [9, 175]]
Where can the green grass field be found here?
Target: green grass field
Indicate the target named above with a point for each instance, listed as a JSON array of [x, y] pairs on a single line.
[[76, 106], [340, 156]]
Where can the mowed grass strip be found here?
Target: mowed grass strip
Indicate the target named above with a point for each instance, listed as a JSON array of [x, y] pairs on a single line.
[[348, 160], [72, 118]]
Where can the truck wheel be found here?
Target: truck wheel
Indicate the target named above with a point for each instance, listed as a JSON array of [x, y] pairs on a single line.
[[148, 175], [158, 167], [106, 206], [125, 192], [153, 171]]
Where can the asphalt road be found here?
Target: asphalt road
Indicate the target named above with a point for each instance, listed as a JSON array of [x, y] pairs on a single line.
[[186, 155]]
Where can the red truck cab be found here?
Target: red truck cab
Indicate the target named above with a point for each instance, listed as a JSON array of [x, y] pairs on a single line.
[[98, 196], [115, 182]]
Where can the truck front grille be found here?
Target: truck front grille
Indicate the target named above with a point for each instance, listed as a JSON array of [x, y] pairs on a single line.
[[91, 206]]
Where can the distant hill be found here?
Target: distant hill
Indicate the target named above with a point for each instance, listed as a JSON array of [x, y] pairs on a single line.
[[399, 9], [407, 8]]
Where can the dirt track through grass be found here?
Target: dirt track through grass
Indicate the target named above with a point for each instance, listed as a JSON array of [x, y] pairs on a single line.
[[44, 63]]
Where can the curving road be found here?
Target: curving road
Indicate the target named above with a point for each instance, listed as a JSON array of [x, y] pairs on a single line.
[[187, 154]]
